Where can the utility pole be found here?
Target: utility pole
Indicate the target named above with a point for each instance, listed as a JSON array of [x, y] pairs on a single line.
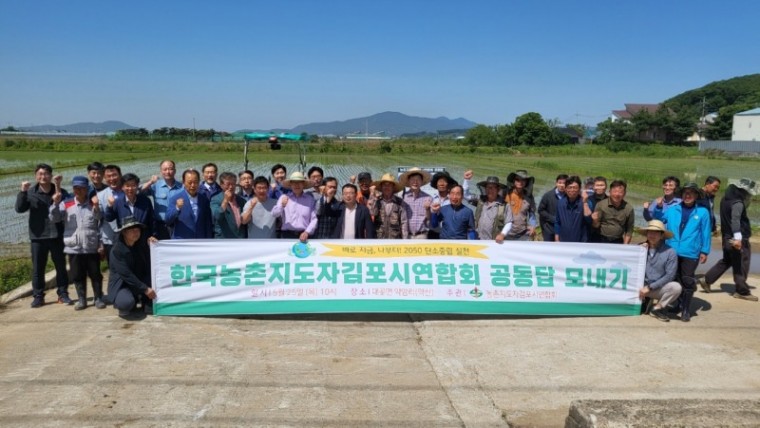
[[702, 120], [195, 137]]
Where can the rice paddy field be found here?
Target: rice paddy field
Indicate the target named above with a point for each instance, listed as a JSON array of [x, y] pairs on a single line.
[[643, 174]]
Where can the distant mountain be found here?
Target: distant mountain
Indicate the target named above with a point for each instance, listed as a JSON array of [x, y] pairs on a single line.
[[81, 127], [388, 123]]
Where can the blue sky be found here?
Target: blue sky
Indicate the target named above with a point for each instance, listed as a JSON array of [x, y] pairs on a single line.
[[272, 64]]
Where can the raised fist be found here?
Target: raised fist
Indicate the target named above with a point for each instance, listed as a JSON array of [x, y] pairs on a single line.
[[57, 180], [95, 201], [468, 174], [435, 207], [25, 186], [659, 201], [180, 203], [253, 203], [57, 198], [352, 179], [372, 189], [154, 179], [646, 205], [284, 200], [273, 186], [111, 200]]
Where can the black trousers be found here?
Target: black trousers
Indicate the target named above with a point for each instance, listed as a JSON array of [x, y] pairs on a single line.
[[83, 266], [162, 230], [40, 250], [737, 260], [107, 250], [686, 271]]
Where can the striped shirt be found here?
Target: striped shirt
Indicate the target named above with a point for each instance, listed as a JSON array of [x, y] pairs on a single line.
[[416, 212]]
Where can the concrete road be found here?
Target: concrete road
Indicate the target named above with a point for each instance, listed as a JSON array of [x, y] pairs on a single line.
[[59, 367]]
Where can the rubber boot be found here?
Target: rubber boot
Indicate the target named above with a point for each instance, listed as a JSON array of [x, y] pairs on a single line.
[[81, 296], [686, 303], [97, 288]]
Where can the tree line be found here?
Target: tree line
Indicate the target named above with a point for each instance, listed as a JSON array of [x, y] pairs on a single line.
[[529, 129], [166, 133]]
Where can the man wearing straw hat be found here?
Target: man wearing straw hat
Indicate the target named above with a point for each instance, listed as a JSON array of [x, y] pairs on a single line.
[[660, 273], [735, 228], [416, 202], [299, 220], [387, 210]]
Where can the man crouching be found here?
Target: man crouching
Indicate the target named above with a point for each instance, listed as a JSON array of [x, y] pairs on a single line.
[[662, 266], [129, 280]]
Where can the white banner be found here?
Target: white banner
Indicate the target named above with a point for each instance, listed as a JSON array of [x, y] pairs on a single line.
[[225, 277]]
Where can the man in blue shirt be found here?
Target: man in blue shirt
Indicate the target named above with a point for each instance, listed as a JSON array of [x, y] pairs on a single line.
[[669, 198], [573, 213], [161, 191], [660, 273], [457, 221]]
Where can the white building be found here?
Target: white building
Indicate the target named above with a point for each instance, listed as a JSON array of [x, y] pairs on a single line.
[[746, 126]]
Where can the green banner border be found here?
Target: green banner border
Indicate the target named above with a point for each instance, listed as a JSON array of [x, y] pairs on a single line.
[[393, 306]]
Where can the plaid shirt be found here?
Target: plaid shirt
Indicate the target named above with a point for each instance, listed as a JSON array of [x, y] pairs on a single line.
[[327, 217], [415, 211]]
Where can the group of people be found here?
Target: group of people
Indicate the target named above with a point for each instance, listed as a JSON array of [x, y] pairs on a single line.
[[116, 217]]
